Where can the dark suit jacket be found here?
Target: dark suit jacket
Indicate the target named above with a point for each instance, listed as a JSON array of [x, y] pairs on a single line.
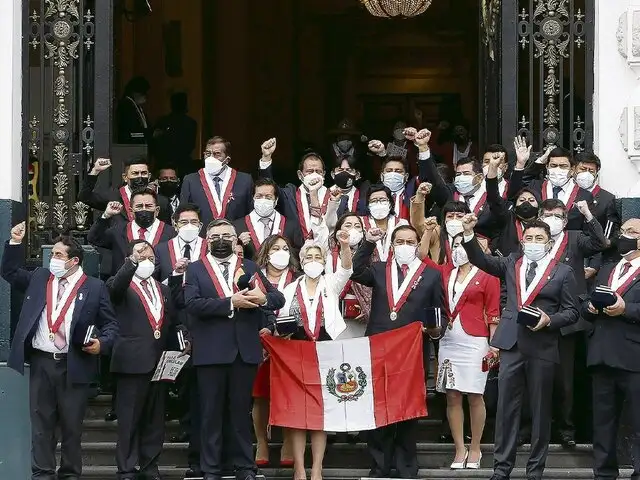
[[291, 231], [99, 198], [557, 298], [218, 339], [428, 293], [137, 351], [92, 307], [130, 127], [615, 341], [239, 206], [361, 206], [114, 237]]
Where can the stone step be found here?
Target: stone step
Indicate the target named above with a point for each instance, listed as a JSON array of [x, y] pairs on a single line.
[[176, 473], [339, 455]]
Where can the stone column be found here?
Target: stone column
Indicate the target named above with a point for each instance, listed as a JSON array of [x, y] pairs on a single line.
[[14, 400]]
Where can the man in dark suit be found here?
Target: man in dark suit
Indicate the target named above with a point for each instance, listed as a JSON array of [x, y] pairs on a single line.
[[133, 127], [613, 352], [528, 355], [61, 306], [169, 186], [174, 137], [348, 178], [264, 220], [550, 176], [219, 190], [408, 303], [226, 327], [145, 226], [136, 176], [146, 317]]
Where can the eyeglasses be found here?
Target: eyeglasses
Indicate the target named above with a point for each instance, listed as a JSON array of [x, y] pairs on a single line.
[[378, 200], [210, 153], [224, 236]]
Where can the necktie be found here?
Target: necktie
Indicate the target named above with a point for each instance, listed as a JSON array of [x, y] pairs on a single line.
[[624, 270], [404, 269], [267, 226], [218, 181], [225, 271], [467, 199], [531, 274], [147, 290], [187, 252], [556, 192], [60, 339], [142, 234]]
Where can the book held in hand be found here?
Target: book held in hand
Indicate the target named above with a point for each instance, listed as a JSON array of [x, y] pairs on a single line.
[[603, 297], [286, 325], [169, 366], [433, 317], [529, 316]]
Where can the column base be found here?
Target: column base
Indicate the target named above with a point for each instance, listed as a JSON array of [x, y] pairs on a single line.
[[15, 439]]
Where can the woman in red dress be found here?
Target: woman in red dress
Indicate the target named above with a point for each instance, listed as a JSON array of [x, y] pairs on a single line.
[[280, 265]]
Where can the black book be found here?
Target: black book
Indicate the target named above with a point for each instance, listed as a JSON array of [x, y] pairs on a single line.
[[529, 316], [603, 297], [433, 317], [82, 335], [286, 325]]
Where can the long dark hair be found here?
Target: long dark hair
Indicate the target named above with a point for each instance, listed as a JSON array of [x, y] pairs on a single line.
[[334, 239], [262, 257]]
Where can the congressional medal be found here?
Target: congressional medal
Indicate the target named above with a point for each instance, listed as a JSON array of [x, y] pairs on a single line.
[[156, 334], [52, 337], [397, 294], [152, 301], [393, 316]]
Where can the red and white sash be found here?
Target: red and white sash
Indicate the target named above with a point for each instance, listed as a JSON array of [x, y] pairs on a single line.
[[456, 300], [223, 288], [198, 250], [125, 194], [56, 316], [399, 206], [397, 295], [218, 207], [352, 199], [285, 279], [311, 311], [478, 205], [527, 295], [547, 192], [625, 282], [302, 205], [154, 232], [256, 228], [595, 191], [153, 305], [504, 186], [383, 246]]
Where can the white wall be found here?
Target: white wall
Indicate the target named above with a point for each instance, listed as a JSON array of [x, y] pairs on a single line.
[[11, 100], [614, 84]]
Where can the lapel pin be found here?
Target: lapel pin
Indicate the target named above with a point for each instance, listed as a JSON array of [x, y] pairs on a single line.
[[477, 283], [549, 277], [28, 297], [80, 296]]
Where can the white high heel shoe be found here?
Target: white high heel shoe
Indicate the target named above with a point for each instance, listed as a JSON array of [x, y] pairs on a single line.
[[475, 465], [461, 465]]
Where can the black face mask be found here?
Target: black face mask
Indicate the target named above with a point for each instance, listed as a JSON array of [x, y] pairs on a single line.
[[145, 218], [168, 188], [221, 248], [138, 182], [626, 245], [344, 180], [526, 211]]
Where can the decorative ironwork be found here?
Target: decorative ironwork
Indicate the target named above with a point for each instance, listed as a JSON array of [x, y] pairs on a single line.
[[396, 8], [554, 74], [61, 135], [490, 25]]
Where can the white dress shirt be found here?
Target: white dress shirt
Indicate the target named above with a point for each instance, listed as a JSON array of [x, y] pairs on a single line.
[[616, 281], [563, 194]]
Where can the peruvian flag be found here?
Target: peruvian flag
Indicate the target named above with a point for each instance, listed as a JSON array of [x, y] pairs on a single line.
[[347, 385]]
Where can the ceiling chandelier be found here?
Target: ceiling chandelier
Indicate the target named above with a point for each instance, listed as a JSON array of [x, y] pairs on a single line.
[[396, 8]]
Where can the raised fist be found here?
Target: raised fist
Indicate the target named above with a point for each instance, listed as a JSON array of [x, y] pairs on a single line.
[[335, 194], [138, 251], [469, 222], [245, 238], [424, 189], [100, 165], [423, 137], [18, 231], [583, 208], [268, 148], [377, 147], [431, 223], [343, 238], [113, 209], [496, 158], [374, 235], [410, 134], [181, 265]]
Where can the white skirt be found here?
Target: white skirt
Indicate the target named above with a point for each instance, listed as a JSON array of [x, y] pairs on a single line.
[[460, 361]]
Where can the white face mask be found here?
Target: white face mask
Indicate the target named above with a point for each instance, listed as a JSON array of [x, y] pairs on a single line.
[[264, 207], [558, 176], [394, 181], [454, 227], [556, 225], [57, 267], [404, 254], [585, 180], [280, 259], [485, 172], [188, 233], [213, 166], [145, 269], [313, 269], [459, 256], [379, 210], [355, 237], [534, 251], [311, 178], [464, 184]]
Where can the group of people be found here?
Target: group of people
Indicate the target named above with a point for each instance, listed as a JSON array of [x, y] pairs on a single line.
[[218, 258]]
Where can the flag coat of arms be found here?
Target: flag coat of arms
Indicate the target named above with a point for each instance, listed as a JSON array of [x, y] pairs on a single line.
[[347, 385]]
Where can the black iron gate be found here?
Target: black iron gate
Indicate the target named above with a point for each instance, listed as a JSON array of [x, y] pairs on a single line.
[[66, 56]]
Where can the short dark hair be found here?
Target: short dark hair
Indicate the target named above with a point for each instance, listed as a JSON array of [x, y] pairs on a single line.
[[186, 207], [475, 164], [537, 224], [395, 158], [559, 152], [74, 249], [137, 84], [588, 157], [135, 160], [144, 191], [308, 154], [401, 228], [552, 204], [224, 141], [454, 206], [166, 166], [218, 222], [264, 182], [535, 194], [137, 241], [350, 159], [379, 187], [498, 148]]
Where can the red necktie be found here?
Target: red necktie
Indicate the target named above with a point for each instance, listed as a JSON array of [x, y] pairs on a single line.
[[624, 270], [147, 290], [142, 234]]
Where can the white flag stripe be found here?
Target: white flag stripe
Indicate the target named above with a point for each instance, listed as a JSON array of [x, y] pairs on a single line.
[[350, 360]]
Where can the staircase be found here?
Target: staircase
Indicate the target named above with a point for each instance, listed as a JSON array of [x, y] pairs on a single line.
[[342, 461]]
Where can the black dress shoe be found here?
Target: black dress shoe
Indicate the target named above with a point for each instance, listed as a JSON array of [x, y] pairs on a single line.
[[568, 442], [182, 437], [193, 474], [110, 416]]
